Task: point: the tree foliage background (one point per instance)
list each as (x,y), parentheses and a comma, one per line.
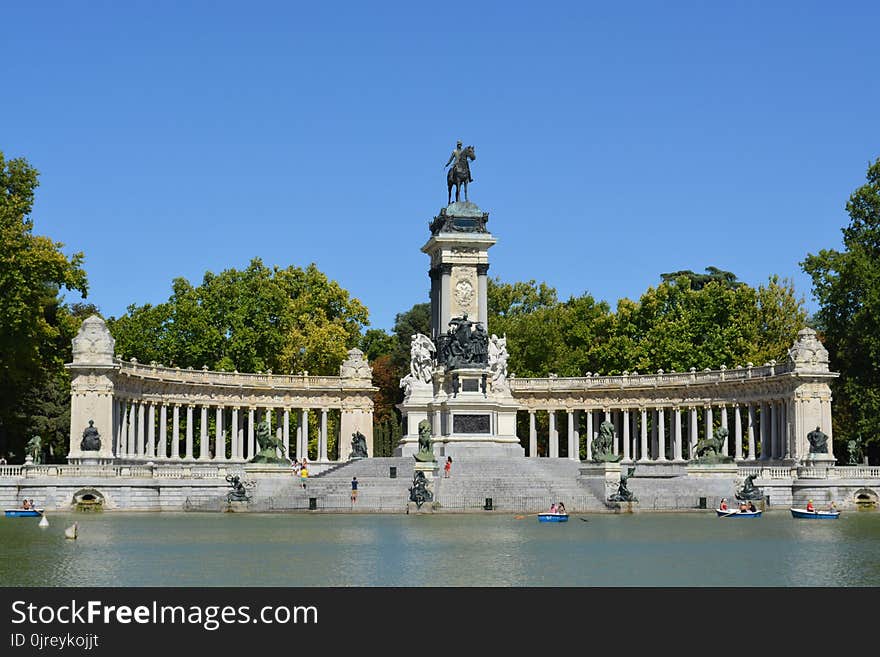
(36,326)
(847,285)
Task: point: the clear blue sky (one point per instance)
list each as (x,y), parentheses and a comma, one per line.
(615,141)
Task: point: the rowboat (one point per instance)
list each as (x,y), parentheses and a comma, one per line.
(552,517)
(24,513)
(819,515)
(736,513)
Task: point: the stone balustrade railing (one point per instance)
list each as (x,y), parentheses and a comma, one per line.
(692,377)
(189,376)
(145,471)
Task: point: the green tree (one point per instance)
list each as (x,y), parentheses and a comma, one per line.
(847,286)
(259,319)
(35,326)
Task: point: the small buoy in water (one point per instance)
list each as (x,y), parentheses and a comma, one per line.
(43,522)
(70,532)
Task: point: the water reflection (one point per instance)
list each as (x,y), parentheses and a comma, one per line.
(493,549)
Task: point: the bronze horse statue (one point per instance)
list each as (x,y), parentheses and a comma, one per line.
(460,174)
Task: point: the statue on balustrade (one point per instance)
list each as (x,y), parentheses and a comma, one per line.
(270,446)
(358,446)
(711,450)
(34,449)
(818,441)
(854,452)
(603,444)
(749,491)
(91,439)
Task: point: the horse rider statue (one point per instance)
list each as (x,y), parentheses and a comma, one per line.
(460,173)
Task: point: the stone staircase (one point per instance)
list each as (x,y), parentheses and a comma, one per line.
(515,484)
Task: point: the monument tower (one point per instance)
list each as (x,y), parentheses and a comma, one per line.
(458,375)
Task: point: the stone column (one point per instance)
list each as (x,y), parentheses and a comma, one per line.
(533,436)
(693,423)
(676,440)
(162,445)
(482,293)
(737,433)
(190,408)
(120,428)
(709,423)
(151,431)
(643,429)
(125,442)
(763,432)
(251,440)
(140,429)
(572,449)
(608,418)
(661,434)
(322,440)
(774,430)
(577,436)
(725,447)
(204,448)
(175,432)
(286,434)
(625,422)
(554,435)
(219,438)
(590,435)
(305,433)
(655,436)
(437,425)
(751,432)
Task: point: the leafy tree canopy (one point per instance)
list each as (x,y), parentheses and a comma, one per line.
(259,319)
(36,328)
(847,286)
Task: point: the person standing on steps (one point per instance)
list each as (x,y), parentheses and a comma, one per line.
(447,467)
(354,489)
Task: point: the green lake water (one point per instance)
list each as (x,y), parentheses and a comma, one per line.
(491,549)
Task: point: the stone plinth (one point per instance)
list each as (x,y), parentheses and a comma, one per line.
(728,470)
(600,478)
(236,507)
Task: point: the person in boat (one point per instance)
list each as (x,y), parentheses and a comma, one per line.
(723,505)
(743,507)
(810,506)
(752,506)
(553,508)
(25,505)
(560,508)
(832,507)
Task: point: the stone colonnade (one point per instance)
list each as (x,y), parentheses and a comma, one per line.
(668,432)
(767,411)
(163,414)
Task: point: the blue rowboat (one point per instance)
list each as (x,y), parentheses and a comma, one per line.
(816,515)
(24,513)
(552,517)
(736,513)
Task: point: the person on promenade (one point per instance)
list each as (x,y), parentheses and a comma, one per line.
(447,467)
(354,489)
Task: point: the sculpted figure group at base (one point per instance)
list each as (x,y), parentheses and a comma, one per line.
(749,491)
(623,493)
(498,361)
(421,362)
(465,344)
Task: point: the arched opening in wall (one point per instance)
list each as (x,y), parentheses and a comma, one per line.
(865,499)
(88,499)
